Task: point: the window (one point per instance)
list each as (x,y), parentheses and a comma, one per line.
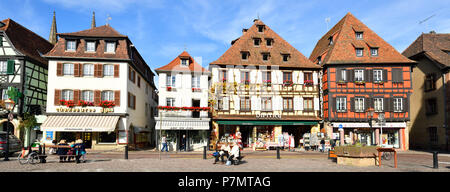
(245,77)
(245,104)
(223,75)
(343,75)
(260,28)
(341,104)
(378,104)
(377,75)
(88,70)
(110,47)
(432,132)
(256,41)
(430,82)
(330,40)
(107,96)
(170,81)
(308,79)
(267,77)
(359,104)
(67,95)
(108,70)
(359,75)
(4,96)
(87,96)
(71,45)
(286,57)
(3,67)
(107,137)
(308,104)
(244,55)
(196,81)
(170,102)
(220,104)
(398,104)
(269,42)
(266,103)
(266,56)
(90,46)
(139,81)
(288,104)
(431,106)
(359,35)
(359,52)
(132,75)
(131,101)
(319,60)
(397,75)
(374,51)
(184,62)
(68,69)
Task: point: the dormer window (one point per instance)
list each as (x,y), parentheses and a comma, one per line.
(330,40)
(265,56)
(319,60)
(90,46)
(110,47)
(260,28)
(359,35)
(286,57)
(374,51)
(71,45)
(269,42)
(184,62)
(359,52)
(256,41)
(244,55)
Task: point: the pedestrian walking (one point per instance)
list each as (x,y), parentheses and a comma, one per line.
(164,143)
(183,143)
(62,152)
(322,142)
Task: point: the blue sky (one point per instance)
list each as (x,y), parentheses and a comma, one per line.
(162,29)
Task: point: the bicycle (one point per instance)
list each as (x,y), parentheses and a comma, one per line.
(31,158)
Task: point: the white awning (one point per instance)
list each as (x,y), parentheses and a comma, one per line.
(182,125)
(366,125)
(80,123)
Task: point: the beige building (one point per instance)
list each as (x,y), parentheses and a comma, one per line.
(429,103)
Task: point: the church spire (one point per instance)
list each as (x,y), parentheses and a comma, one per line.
(93,20)
(53,38)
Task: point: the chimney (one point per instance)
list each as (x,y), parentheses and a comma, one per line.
(432,32)
(93,20)
(244,31)
(53,38)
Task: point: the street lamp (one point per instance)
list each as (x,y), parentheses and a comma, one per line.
(9,105)
(381,121)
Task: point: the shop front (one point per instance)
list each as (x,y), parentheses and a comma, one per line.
(97,132)
(261,135)
(193,132)
(392,134)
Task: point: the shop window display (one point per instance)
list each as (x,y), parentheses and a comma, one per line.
(105,137)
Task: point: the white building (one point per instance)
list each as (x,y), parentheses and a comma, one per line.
(93,69)
(183,103)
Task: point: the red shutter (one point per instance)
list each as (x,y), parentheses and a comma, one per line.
(81,69)
(100,70)
(57,97)
(97,97)
(76,96)
(128,99)
(76,69)
(117,98)
(116,70)
(59,69)
(95,70)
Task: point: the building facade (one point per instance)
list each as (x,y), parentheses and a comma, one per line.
(183,104)
(363,74)
(263,92)
(100,90)
(23,67)
(429,114)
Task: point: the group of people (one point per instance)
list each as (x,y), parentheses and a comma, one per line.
(77,150)
(231,152)
(165,143)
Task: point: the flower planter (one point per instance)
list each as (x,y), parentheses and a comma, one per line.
(356,155)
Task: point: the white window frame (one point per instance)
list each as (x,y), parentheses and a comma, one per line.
(67,94)
(68,69)
(359,104)
(377,75)
(107,95)
(374,51)
(195,81)
(398,104)
(266,103)
(108,70)
(110,45)
(87,95)
(344,75)
(359,75)
(88,69)
(378,104)
(170,102)
(359,52)
(71,45)
(184,62)
(90,46)
(359,35)
(170,80)
(4,96)
(341,104)
(3,67)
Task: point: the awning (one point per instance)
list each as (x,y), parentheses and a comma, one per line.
(366,125)
(267,122)
(80,123)
(182,125)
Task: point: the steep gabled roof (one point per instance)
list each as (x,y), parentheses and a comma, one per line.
(279,47)
(342,50)
(102,31)
(26,41)
(175,65)
(435,46)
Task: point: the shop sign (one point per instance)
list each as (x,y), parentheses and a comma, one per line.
(181,128)
(84,110)
(268,116)
(49,135)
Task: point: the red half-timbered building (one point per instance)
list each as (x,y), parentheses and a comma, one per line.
(363,77)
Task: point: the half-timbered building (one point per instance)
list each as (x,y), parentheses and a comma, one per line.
(363,75)
(264,91)
(23,67)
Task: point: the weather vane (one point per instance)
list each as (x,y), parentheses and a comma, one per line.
(108,18)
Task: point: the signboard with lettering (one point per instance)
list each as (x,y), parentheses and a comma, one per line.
(268,116)
(84,110)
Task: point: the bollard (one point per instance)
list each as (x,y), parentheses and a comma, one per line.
(126,151)
(435,160)
(40,149)
(329,154)
(44,150)
(278,152)
(204,152)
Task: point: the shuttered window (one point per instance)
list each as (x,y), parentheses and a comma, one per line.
(68,69)
(266,103)
(397,75)
(3,67)
(359,104)
(87,96)
(107,96)
(108,70)
(288,104)
(378,104)
(245,104)
(341,104)
(398,104)
(88,69)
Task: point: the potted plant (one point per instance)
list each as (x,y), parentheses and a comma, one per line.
(107,104)
(287,83)
(308,82)
(360,82)
(267,82)
(169,88)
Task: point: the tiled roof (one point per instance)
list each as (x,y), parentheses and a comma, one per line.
(175,65)
(342,50)
(435,46)
(245,43)
(26,41)
(102,31)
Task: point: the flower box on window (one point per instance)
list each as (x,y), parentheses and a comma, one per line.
(360,82)
(67,103)
(287,83)
(107,104)
(308,82)
(378,82)
(267,82)
(224,79)
(169,88)
(83,103)
(341,82)
(196,89)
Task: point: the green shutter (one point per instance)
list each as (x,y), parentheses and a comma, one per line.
(10,68)
(1,41)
